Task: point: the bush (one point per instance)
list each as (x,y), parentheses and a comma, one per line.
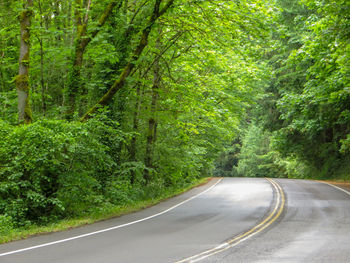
(51,169)
(6,224)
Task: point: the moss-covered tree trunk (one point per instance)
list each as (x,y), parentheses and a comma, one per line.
(41,44)
(22,80)
(2,77)
(74,80)
(120,81)
(83,39)
(135,128)
(135,125)
(152,123)
(151,135)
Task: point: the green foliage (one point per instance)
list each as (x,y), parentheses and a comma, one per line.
(303,115)
(6,224)
(257,158)
(226,164)
(254,88)
(53,168)
(315,115)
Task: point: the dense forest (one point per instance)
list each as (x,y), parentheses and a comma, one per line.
(108,103)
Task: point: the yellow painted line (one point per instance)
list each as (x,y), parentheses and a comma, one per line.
(273,216)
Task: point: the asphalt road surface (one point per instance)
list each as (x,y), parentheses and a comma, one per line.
(226,220)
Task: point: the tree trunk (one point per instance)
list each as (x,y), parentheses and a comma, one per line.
(82,41)
(152,123)
(22,80)
(2,55)
(135,127)
(57,19)
(119,83)
(42,80)
(1,71)
(152,130)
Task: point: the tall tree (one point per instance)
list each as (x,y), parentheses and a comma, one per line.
(120,81)
(82,41)
(22,79)
(152,122)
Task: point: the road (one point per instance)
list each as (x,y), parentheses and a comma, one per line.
(226,220)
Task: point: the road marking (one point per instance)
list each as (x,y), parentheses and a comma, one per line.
(339,188)
(108,229)
(273,216)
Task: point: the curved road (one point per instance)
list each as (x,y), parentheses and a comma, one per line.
(227,220)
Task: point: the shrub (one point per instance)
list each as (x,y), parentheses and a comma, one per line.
(53,168)
(6,224)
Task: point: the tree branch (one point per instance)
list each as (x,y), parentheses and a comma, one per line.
(119,83)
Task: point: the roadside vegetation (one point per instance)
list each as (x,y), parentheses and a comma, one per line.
(110,106)
(300,126)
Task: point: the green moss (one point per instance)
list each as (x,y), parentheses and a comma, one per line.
(22,16)
(25,14)
(106,13)
(22,78)
(28,117)
(81,30)
(26,36)
(25,59)
(22,82)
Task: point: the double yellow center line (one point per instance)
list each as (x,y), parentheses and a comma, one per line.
(272,217)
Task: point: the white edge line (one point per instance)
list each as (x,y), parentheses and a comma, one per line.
(108,229)
(339,188)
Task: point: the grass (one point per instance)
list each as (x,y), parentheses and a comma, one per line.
(98,215)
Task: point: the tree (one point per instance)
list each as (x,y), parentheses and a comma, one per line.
(83,38)
(22,79)
(119,83)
